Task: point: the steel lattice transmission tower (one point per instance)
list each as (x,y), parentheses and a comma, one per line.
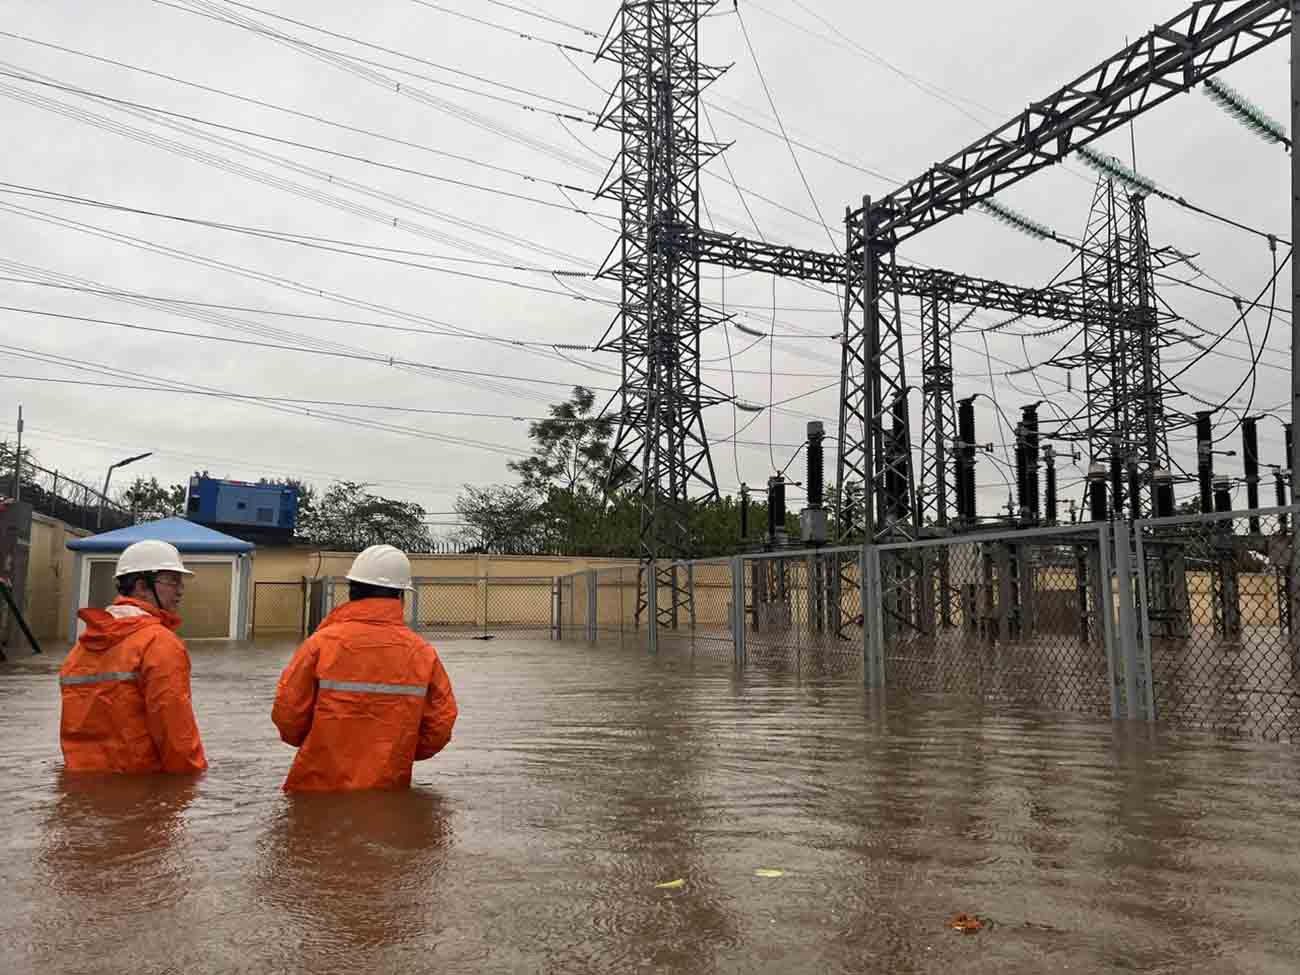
(938,411)
(1121,357)
(656,179)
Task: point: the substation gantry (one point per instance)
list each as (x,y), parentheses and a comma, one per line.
(655,108)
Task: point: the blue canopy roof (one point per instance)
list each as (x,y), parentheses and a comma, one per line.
(185,535)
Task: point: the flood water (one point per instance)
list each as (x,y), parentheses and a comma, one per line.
(580,778)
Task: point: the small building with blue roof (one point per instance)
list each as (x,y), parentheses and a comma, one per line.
(217,598)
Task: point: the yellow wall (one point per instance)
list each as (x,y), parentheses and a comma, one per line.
(463,601)
(51,590)
(50,586)
(291,564)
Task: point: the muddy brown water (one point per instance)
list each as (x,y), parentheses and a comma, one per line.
(580,778)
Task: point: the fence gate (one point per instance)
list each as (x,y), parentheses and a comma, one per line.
(280,608)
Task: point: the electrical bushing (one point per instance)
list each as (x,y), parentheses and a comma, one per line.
(1049,468)
(1205,458)
(1097,491)
(1029,423)
(966,460)
(1162,483)
(1250,464)
(815,463)
(775,509)
(1222,494)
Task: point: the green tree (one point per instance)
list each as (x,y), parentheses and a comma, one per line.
(571,450)
(149,500)
(502,518)
(347,517)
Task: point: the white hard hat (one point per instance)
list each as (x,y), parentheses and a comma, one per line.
(383,566)
(151,555)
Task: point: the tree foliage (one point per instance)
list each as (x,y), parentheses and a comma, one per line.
(560,505)
(348,517)
(148,500)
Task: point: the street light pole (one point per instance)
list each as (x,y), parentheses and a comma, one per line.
(103,496)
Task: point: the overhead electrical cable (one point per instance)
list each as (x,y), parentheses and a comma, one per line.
(307,116)
(298,189)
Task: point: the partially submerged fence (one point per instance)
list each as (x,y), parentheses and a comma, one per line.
(1184,620)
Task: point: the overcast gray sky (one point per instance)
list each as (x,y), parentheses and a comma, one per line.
(898,87)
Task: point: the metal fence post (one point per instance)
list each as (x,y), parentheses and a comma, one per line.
(1105,609)
(591,605)
(412,605)
(1127,620)
(738,609)
(1145,675)
(555,607)
(873,634)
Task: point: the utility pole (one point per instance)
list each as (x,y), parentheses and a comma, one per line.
(1294,459)
(18,459)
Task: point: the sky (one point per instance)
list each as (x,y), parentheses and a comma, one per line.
(434,162)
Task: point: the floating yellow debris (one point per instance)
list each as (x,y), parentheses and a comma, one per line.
(768,872)
(671,885)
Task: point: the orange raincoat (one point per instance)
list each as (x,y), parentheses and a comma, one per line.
(126,694)
(362,699)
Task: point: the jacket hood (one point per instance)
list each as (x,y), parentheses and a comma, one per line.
(107,627)
(374,610)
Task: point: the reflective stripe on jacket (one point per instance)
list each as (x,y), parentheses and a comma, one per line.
(125,690)
(362,699)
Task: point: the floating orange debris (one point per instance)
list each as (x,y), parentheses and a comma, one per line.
(966,923)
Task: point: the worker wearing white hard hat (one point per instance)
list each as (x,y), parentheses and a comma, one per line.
(126,684)
(365,696)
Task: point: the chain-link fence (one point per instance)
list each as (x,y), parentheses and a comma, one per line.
(518,604)
(616,605)
(803,609)
(279,608)
(471,605)
(1184,620)
(1214,613)
(449,606)
(1016,618)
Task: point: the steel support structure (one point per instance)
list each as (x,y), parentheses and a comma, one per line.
(1124,381)
(655,178)
(875,432)
(1171,58)
(938,412)
(655,108)
(1146,339)
(1062,302)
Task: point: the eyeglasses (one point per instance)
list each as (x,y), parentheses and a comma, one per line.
(174,583)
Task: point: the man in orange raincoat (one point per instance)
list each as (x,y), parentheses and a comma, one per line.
(126,684)
(364,697)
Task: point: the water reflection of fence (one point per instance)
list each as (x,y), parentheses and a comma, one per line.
(1184,620)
